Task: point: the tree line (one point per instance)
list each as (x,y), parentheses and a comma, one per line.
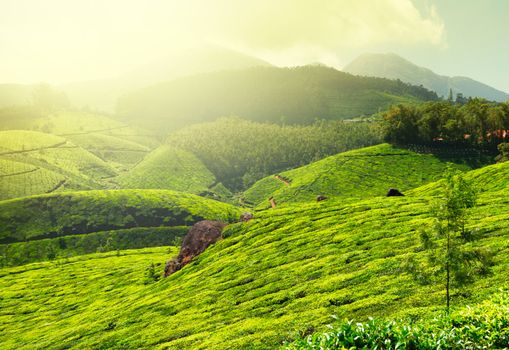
(476,122)
(240,152)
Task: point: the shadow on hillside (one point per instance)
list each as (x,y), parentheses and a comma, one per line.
(473,157)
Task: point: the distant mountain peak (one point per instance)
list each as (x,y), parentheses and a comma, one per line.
(393,66)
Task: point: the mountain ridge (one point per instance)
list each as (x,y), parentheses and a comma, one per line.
(393,66)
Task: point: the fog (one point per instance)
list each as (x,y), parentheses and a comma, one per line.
(59,41)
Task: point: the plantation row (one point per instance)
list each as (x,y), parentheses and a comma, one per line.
(79,244)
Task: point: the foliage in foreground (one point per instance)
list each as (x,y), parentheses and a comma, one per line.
(485,326)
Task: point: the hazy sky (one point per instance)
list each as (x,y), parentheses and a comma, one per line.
(69,40)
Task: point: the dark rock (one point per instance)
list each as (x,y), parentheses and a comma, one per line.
(245,217)
(394,193)
(320,198)
(199,237)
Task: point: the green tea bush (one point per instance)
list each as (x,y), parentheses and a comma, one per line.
(485,326)
(49,249)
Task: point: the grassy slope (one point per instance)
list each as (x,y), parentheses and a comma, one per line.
(282,273)
(90,273)
(60,164)
(18,179)
(169,168)
(91,211)
(362,173)
(76,150)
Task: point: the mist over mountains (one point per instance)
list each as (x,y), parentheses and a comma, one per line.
(392,66)
(102,94)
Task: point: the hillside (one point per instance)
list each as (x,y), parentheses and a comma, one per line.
(392,66)
(171,168)
(39,225)
(64,150)
(15,95)
(270,280)
(19,179)
(44,216)
(291,95)
(55,157)
(240,152)
(103,94)
(364,173)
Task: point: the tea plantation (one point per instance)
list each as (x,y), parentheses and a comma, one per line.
(270,281)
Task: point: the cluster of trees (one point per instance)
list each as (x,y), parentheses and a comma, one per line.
(240,152)
(476,122)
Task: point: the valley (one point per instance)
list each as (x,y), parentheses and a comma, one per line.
(254,175)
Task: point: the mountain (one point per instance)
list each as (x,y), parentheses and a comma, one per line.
(102,94)
(392,66)
(265,94)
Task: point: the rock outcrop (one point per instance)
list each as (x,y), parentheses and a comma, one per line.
(320,198)
(200,236)
(245,217)
(394,193)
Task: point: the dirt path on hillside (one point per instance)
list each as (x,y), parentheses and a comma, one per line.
(283,180)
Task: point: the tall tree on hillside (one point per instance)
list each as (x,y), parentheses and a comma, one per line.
(457,263)
(400,124)
(475,114)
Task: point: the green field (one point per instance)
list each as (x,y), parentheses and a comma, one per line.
(67,151)
(171,168)
(269,281)
(39,224)
(362,173)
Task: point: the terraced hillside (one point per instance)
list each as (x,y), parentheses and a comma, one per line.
(34,227)
(71,150)
(171,168)
(54,163)
(271,279)
(19,179)
(362,173)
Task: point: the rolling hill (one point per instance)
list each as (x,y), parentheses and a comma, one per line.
(269,280)
(171,168)
(60,164)
(363,173)
(19,179)
(64,150)
(291,95)
(78,222)
(392,66)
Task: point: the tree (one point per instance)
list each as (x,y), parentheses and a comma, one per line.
(450,98)
(449,252)
(503,148)
(399,124)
